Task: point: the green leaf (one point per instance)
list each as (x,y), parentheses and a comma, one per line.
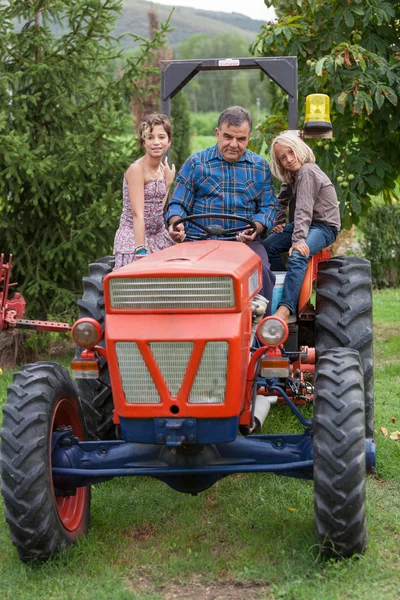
(355,204)
(367,17)
(357,11)
(369,105)
(358,103)
(319,66)
(338,18)
(389,94)
(358,57)
(348,17)
(287,33)
(379,98)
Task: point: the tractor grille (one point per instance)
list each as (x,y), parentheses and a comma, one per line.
(209,384)
(172,359)
(172,292)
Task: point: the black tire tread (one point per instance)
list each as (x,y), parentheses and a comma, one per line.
(344,316)
(26,483)
(339,454)
(95,395)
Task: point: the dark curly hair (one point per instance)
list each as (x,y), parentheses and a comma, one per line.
(151,121)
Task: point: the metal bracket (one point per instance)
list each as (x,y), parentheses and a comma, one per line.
(175,432)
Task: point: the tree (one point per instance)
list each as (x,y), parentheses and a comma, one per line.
(150,102)
(180,148)
(64,148)
(349,50)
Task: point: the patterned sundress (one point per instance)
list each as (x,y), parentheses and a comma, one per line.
(156,235)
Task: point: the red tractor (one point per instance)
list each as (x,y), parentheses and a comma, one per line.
(176,370)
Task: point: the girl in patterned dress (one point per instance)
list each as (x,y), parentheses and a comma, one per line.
(145,191)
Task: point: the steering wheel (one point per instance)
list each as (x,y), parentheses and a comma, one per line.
(217,232)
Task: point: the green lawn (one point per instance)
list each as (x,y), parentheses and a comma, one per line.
(249,536)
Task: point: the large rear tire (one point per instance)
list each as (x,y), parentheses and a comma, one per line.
(344,317)
(95,395)
(42,400)
(339,454)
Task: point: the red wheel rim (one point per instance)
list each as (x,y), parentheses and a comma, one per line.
(70,509)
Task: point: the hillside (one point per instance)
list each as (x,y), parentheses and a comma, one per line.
(186,22)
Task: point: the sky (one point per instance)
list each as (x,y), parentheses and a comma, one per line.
(255,9)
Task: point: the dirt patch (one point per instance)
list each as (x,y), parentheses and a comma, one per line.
(225,590)
(384,330)
(220,591)
(195,589)
(141,534)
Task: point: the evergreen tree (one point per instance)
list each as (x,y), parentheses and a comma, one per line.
(63,137)
(180,148)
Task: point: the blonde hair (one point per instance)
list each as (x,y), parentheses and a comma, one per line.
(303,153)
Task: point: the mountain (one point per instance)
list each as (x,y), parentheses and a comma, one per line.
(186,22)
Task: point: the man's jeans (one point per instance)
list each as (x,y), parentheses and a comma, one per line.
(268,277)
(319,236)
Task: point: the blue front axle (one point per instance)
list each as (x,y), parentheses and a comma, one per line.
(191,469)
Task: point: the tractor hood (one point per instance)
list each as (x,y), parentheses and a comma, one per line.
(191,276)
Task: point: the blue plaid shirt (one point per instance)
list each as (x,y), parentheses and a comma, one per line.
(207,183)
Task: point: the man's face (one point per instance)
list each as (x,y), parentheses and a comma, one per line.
(232,141)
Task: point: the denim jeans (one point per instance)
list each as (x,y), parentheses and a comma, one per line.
(268,277)
(319,236)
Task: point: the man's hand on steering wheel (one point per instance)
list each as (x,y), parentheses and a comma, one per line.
(176,232)
(248,235)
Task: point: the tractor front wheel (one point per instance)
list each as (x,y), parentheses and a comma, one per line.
(95,395)
(339,454)
(41,401)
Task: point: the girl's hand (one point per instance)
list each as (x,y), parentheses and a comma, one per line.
(279,228)
(169,173)
(302,248)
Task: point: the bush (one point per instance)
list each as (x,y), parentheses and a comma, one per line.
(204,123)
(381,244)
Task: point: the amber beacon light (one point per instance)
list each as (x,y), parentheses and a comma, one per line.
(317,122)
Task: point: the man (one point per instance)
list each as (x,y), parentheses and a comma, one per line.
(227,178)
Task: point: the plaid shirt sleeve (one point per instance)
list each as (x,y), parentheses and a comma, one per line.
(266,202)
(181,203)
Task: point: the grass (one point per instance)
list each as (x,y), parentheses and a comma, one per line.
(249,536)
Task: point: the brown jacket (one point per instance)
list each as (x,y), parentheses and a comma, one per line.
(311,197)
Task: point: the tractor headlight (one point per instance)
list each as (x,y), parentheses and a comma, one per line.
(272,331)
(86,333)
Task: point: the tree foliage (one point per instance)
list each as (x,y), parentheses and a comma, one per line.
(150,103)
(181,132)
(348,49)
(63,143)
(381,244)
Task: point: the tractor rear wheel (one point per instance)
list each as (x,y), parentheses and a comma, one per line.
(339,454)
(344,317)
(95,395)
(42,400)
